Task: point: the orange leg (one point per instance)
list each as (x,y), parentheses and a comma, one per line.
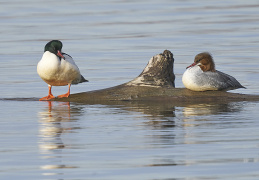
(67,94)
(48,97)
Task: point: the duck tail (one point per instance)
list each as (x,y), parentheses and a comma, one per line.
(83,79)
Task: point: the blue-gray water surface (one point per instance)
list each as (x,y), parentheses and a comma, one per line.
(111,42)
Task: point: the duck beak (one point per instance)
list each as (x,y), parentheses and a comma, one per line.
(60,55)
(193,64)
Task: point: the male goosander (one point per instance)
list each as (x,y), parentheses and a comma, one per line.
(202,76)
(58,69)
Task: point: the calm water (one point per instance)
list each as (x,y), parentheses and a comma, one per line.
(111,43)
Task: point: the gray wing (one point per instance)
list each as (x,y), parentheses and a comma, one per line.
(223,81)
(70,59)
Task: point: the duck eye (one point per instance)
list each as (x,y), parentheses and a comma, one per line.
(199,60)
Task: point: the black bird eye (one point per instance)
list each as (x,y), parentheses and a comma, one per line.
(199,60)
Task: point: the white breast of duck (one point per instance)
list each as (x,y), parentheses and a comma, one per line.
(57,71)
(195,79)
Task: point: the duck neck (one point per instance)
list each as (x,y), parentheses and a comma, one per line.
(208,67)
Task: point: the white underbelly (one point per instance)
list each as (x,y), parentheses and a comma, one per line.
(193,79)
(58,75)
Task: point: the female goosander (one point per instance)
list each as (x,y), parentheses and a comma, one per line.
(202,76)
(58,69)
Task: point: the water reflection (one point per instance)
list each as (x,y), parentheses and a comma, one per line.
(160,115)
(202,121)
(192,125)
(56,120)
(161,129)
(194,114)
(210,109)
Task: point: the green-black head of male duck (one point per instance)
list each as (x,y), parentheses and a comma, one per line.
(55,47)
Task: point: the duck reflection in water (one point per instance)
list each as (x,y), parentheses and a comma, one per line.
(211,109)
(54,121)
(195,114)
